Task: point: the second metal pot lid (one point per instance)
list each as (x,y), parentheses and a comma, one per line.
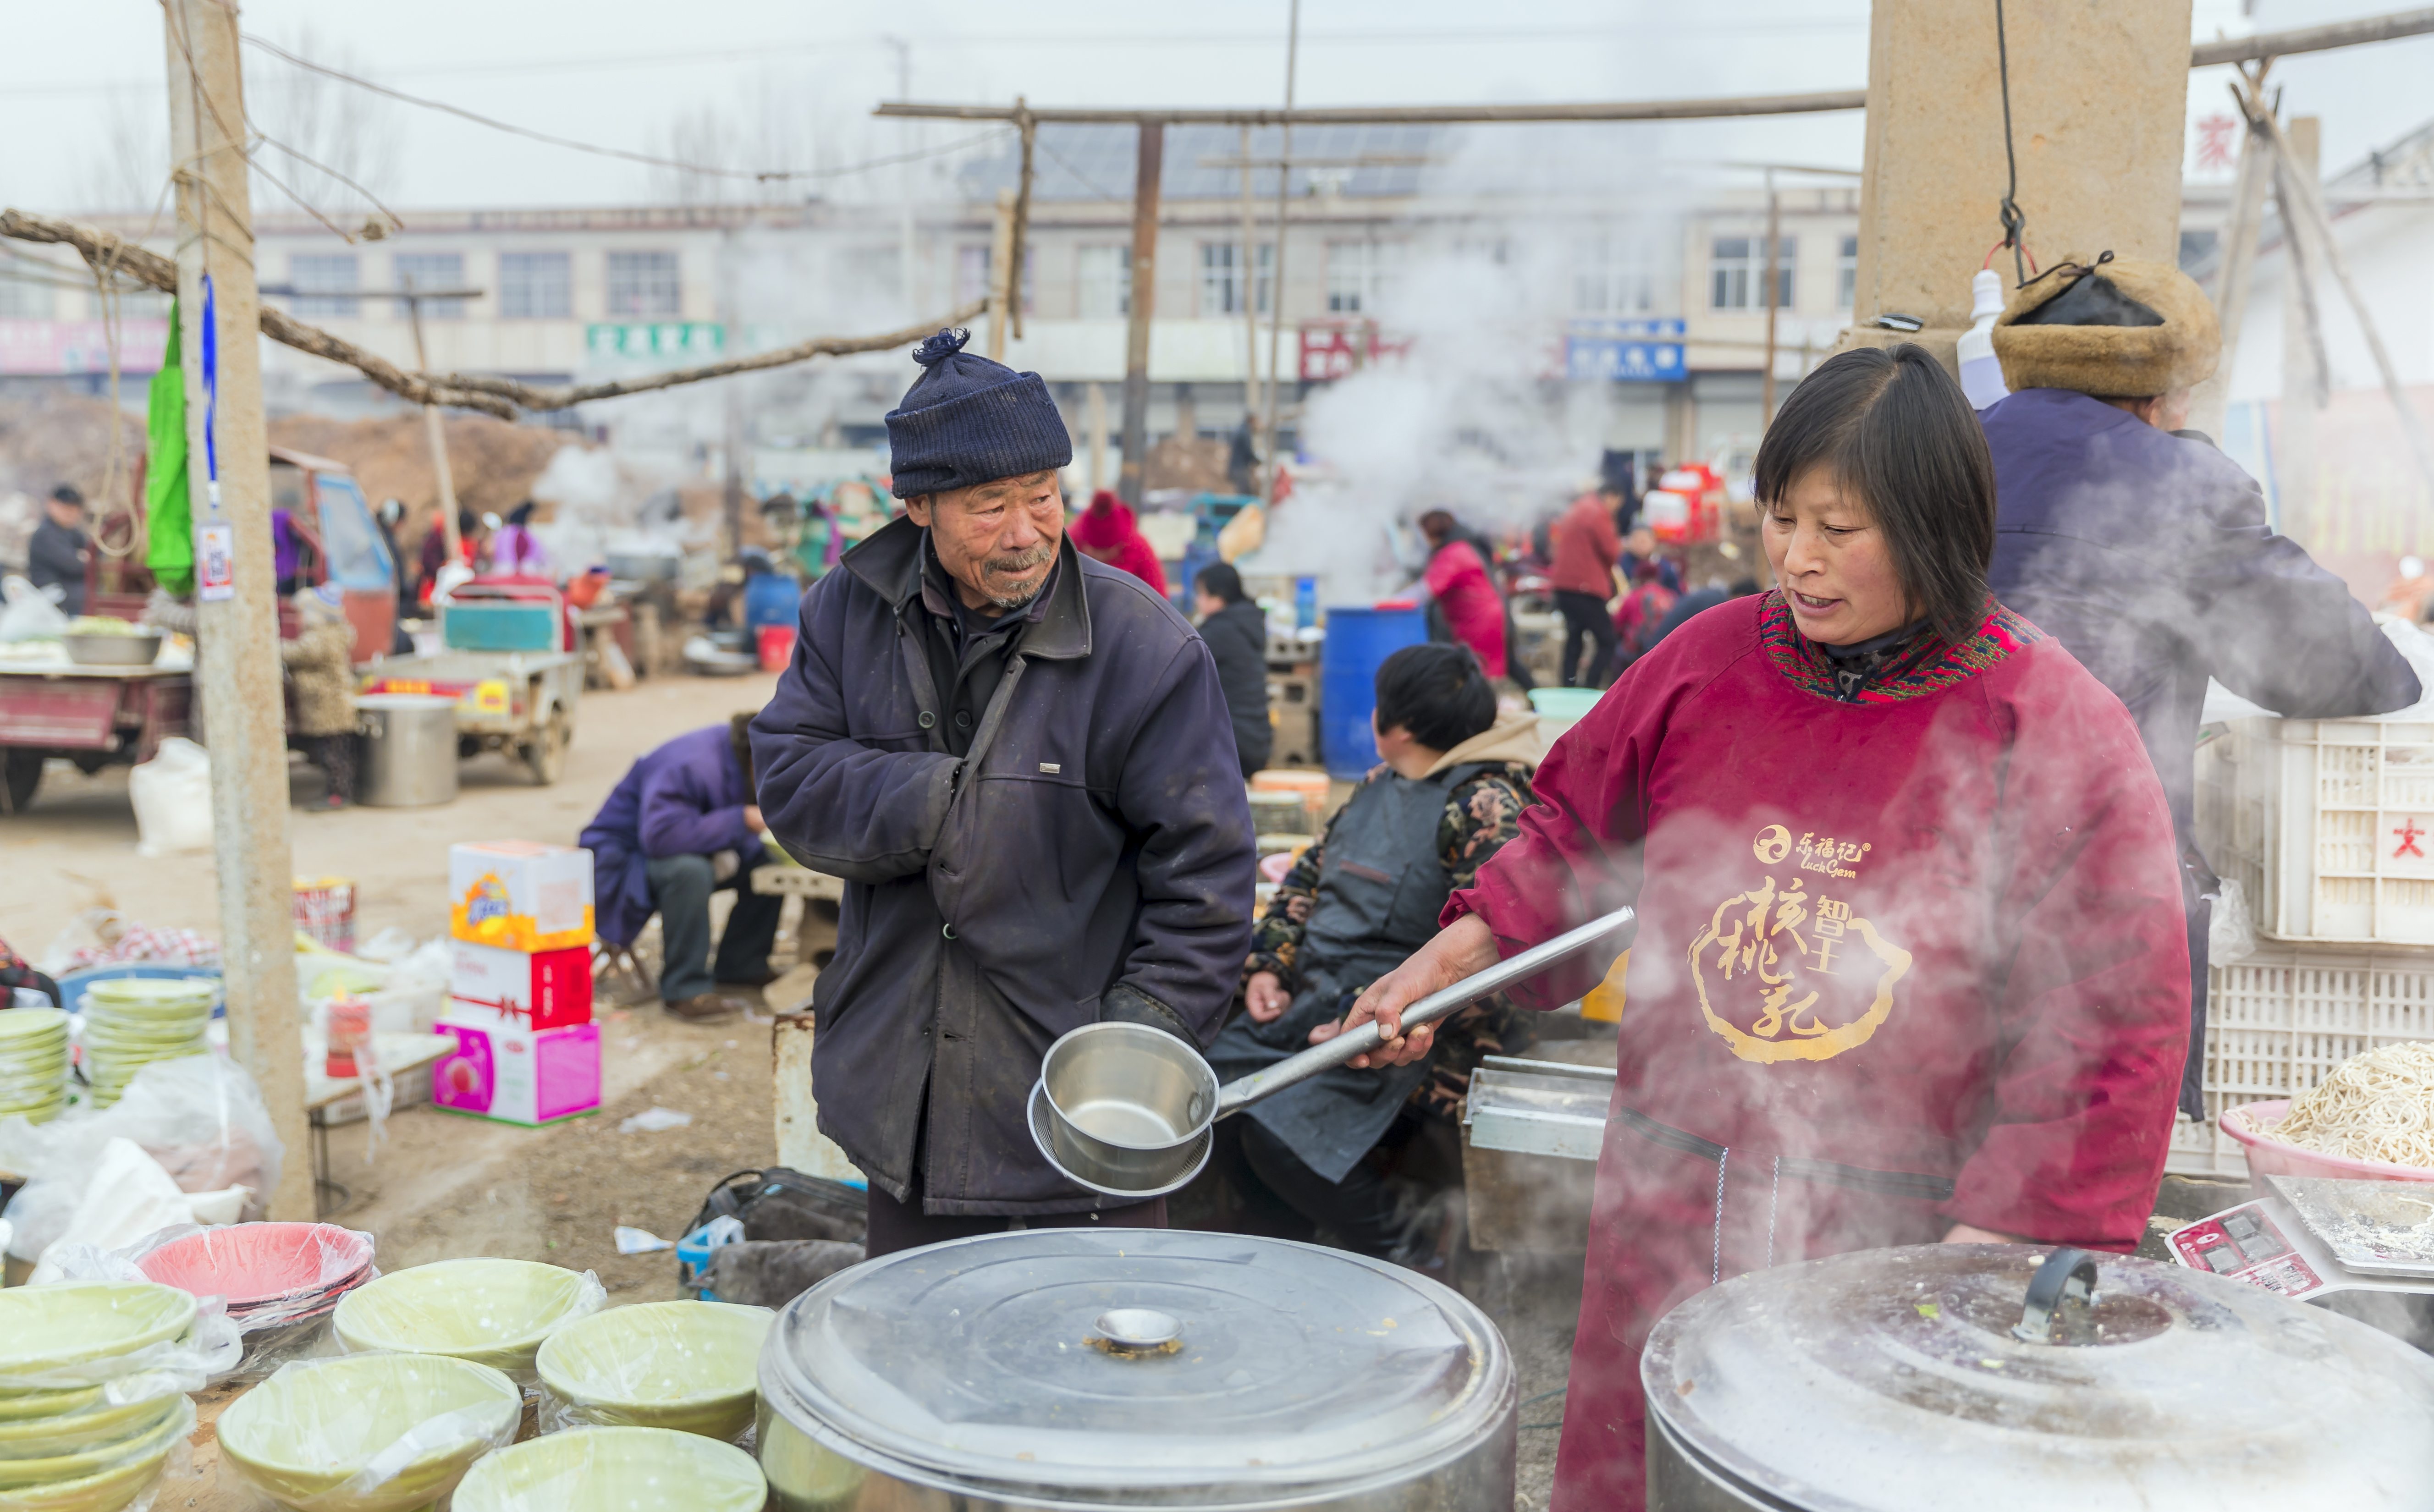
(1892,1380)
(1082,1359)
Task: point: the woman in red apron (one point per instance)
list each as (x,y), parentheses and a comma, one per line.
(1911,962)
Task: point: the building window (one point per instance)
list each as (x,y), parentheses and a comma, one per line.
(432,270)
(22,299)
(1611,277)
(1496,251)
(644,283)
(973,275)
(536,286)
(1360,274)
(1221,279)
(313,271)
(1846,272)
(1103,281)
(1738,272)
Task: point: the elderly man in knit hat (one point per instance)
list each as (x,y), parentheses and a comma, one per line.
(1021,762)
(2146,551)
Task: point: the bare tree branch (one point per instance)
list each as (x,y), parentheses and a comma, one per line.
(502,397)
(530,397)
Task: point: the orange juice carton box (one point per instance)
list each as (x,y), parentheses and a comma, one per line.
(520,895)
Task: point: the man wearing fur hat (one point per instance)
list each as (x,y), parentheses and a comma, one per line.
(2146,551)
(1021,762)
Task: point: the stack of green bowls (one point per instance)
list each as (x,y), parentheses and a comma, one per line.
(132,1022)
(33,1063)
(72,1450)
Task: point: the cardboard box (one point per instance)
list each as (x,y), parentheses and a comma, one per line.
(520,895)
(515,1075)
(540,991)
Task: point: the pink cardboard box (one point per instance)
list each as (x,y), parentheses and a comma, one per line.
(517,1075)
(541,989)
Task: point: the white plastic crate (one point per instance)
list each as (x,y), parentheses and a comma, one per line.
(2279,1019)
(2328,825)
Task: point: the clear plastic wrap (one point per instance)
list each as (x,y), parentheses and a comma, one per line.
(134,1340)
(634,1470)
(201,1117)
(496,1313)
(369,1432)
(692,1366)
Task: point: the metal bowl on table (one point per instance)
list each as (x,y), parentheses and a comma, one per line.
(2001,1378)
(1096,1367)
(114,650)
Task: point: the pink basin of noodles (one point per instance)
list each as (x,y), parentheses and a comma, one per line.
(251,1263)
(2268,1156)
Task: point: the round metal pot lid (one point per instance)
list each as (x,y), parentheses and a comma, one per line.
(1891,1380)
(1090,1361)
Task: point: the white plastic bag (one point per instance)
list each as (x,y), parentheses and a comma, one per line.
(199,1116)
(128,1198)
(27,613)
(172,794)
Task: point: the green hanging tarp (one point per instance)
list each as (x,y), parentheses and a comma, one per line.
(168,515)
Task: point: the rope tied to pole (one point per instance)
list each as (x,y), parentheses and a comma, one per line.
(2014,220)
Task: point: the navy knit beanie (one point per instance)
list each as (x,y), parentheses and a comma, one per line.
(967,421)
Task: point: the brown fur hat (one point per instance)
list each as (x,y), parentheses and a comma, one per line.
(2152,330)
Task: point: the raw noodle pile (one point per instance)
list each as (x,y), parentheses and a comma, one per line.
(2375,1107)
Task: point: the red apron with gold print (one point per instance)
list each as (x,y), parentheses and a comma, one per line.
(1904,962)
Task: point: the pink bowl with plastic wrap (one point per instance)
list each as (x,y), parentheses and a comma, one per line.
(251,1263)
(2268,1156)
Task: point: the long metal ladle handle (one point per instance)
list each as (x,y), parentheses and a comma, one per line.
(1241,1093)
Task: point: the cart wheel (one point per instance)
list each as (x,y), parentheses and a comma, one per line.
(546,753)
(20,772)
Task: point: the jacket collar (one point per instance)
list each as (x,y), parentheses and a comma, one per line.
(1058,627)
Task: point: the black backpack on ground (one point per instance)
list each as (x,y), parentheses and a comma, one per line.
(783,1204)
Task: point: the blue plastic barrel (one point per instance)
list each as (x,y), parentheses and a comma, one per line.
(1358,639)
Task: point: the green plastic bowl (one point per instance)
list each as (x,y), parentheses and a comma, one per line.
(491,1312)
(155,1425)
(113,1488)
(27,1438)
(44,1328)
(630,1469)
(312,1427)
(685,1365)
(15,1406)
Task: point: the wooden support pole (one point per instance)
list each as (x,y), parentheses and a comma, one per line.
(1773,250)
(2237,270)
(1002,274)
(1147,168)
(1250,286)
(238,669)
(2307,375)
(437,432)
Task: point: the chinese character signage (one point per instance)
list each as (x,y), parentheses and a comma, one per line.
(81,346)
(1631,351)
(694,340)
(1333,349)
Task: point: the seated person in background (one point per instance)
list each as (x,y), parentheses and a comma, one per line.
(321,664)
(679,826)
(1237,635)
(57,555)
(1450,791)
(1107,532)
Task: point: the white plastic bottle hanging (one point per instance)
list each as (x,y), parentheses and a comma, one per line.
(1981,373)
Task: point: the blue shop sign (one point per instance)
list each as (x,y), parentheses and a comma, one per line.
(1645,351)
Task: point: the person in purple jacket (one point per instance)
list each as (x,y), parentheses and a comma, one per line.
(1021,762)
(679,826)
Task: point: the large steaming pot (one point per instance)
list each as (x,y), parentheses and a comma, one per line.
(1061,1368)
(1905,1380)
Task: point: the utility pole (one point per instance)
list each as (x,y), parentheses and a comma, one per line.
(904,279)
(1149,165)
(731,332)
(1002,275)
(1773,246)
(1250,287)
(237,623)
(1277,320)
(2305,384)
(438,432)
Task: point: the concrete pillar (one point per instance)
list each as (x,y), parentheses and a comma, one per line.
(2303,380)
(2100,91)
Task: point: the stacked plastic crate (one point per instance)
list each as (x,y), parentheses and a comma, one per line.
(2325,829)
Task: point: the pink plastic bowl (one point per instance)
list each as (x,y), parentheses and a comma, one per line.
(2268,1156)
(251,1263)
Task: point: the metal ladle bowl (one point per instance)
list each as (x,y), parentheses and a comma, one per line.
(1125,1110)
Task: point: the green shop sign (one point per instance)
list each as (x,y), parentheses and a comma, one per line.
(656,338)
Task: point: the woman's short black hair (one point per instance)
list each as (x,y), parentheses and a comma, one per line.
(1219,581)
(1437,691)
(1896,430)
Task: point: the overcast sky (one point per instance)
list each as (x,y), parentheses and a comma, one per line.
(761,84)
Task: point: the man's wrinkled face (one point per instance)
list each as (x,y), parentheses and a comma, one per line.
(996,540)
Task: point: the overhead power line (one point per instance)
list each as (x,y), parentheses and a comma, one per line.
(708,170)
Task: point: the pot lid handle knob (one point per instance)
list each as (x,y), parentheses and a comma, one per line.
(1138,1330)
(2067,1276)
